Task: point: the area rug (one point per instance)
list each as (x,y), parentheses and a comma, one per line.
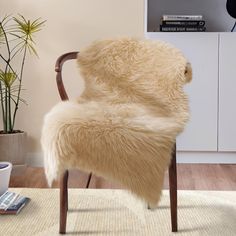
(117,212)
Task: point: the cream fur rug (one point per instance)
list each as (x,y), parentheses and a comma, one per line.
(115,212)
(124,125)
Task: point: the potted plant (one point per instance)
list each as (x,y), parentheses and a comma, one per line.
(16,42)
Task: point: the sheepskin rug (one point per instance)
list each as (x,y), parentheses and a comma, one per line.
(124,124)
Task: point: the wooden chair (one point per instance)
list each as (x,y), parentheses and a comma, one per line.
(64,177)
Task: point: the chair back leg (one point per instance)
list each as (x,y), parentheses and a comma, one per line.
(173,191)
(63,201)
(89,179)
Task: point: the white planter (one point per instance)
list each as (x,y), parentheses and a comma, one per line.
(5,174)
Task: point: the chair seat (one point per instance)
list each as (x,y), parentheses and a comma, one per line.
(121,143)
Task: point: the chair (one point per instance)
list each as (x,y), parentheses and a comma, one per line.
(64,177)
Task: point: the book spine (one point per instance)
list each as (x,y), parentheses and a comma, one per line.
(184,23)
(182,17)
(181,29)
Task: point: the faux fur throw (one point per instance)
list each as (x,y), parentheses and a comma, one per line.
(124,124)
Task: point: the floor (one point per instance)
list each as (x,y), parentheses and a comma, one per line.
(190,177)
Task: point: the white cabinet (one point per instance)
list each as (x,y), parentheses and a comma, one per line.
(210,136)
(227,92)
(201,49)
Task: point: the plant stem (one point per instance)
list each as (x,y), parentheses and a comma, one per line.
(2,103)
(7,121)
(8,64)
(7,126)
(6,109)
(9,109)
(20,81)
(3,110)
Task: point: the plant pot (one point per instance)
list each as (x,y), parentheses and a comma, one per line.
(13,148)
(5,174)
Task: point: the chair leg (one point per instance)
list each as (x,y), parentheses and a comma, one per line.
(90,176)
(63,201)
(66,191)
(173,191)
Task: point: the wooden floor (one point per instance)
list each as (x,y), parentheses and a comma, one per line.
(190,177)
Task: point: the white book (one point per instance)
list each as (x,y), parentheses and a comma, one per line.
(182,17)
(7,199)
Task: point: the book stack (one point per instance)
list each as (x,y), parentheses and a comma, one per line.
(12,203)
(182,23)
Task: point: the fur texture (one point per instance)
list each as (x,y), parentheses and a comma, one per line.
(124,124)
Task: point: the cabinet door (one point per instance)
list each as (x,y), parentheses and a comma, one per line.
(201,49)
(227,92)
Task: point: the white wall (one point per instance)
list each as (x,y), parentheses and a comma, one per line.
(71,25)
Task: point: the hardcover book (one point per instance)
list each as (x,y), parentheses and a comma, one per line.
(183,23)
(182,17)
(181,29)
(12,203)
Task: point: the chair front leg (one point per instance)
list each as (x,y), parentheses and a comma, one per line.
(173,191)
(63,201)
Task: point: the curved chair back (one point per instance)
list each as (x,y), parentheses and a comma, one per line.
(58,68)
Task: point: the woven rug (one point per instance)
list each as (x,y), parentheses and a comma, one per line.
(117,212)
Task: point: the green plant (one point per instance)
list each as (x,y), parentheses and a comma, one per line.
(16,40)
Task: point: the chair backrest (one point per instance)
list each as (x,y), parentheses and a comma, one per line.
(58,68)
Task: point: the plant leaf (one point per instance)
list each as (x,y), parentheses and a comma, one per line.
(8,78)
(32,49)
(27,27)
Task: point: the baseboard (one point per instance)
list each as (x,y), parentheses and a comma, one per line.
(36,159)
(207,157)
